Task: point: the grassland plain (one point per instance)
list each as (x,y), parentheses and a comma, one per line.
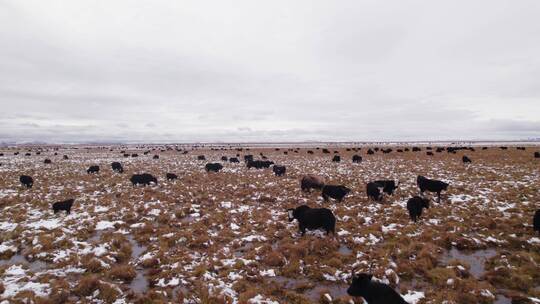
(225,238)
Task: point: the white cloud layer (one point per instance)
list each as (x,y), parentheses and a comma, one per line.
(269,70)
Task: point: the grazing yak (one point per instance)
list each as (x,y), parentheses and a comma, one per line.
(134,155)
(214,167)
(313,218)
(429,153)
(201,157)
(64,205)
(336,159)
(259,164)
(336,192)
(356,158)
(376,188)
(143,179)
(27,181)
(279,170)
(47,161)
(171,176)
(431,185)
(415,206)
(117,167)
(248,158)
(309,182)
(92,169)
(466,159)
(536,221)
(373,292)
(224,158)
(234,160)
(536,154)
(416,149)
(370,152)
(66,157)
(326,151)
(155,156)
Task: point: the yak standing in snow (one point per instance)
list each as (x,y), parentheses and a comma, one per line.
(313,218)
(337,192)
(143,179)
(309,182)
(415,206)
(117,167)
(27,181)
(373,292)
(93,169)
(64,205)
(431,185)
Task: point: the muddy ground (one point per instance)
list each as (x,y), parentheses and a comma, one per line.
(225,238)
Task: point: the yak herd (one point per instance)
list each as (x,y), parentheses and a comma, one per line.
(319,218)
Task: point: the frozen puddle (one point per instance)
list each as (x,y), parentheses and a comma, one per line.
(140,282)
(475,259)
(19,259)
(502,300)
(344,250)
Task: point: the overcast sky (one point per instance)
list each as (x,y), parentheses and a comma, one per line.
(75,71)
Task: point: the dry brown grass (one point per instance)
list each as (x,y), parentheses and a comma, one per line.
(192,235)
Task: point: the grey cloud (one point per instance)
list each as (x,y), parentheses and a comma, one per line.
(303,70)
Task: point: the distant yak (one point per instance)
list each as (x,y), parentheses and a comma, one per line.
(63,206)
(309,182)
(213,167)
(92,169)
(143,179)
(27,181)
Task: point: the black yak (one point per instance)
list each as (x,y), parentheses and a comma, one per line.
(224,158)
(337,192)
(279,170)
(117,167)
(309,182)
(370,152)
(536,221)
(429,153)
(155,156)
(93,169)
(134,155)
(66,157)
(248,158)
(336,159)
(431,185)
(416,149)
(26,180)
(356,159)
(536,154)
(466,159)
(234,160)
(415,206)
(373,189)
(143,179)
(64,205)
(214,167)
(313,218)
(171,176)
(373,292)
(259,164)
(47,161)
